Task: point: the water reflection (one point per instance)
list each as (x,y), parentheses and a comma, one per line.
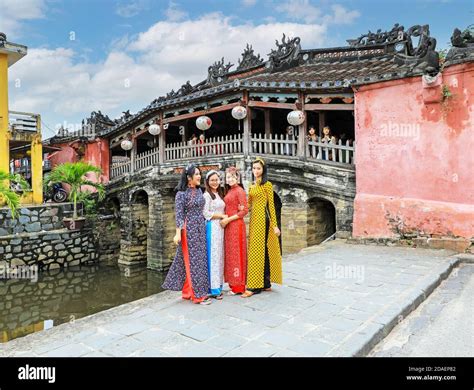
(63,295)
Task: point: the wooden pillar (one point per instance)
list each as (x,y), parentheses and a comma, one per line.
(161,140)
(247,126)
(133,152)
(302,130)
(184,129)
(4,135)
(322,122)
(268,127)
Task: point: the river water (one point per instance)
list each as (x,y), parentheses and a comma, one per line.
(63,295)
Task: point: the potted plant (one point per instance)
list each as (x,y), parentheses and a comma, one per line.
(7,194)
(74,174)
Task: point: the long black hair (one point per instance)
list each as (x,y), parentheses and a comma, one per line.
(264,172)
(188,173)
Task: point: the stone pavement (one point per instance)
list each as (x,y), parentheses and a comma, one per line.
(441,326)
(338,299)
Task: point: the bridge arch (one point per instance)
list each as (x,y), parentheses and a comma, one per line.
(321,220)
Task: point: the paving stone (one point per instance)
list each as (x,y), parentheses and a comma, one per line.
(125,346)
(153,336)
(99,341)
(327,335)
(249,330)
(69,350)
(311,348)
(153,352)
(200,332)
(227,341)
(279,338)
(311,315)
(201,350)
(253,349)
(127,328)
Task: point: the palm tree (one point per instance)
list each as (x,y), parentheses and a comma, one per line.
(7,195)
(74,175)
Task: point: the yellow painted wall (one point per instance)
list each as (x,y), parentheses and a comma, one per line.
(4,140)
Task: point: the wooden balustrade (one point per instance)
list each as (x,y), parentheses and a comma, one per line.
(260,144)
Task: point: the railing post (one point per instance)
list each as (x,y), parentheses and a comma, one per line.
(4,134)
(322,122)
(161,141)
(247,127)
(302,130)
(268,129)
(133,155)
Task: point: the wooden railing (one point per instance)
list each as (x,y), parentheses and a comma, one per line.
(282,145)
(217,146)
(260,144)
(119,169)
(146,159)
(331,152)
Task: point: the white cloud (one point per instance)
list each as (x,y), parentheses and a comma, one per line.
(59,85)
(14,12)
(130,9)
(305,11)
(300,10)
(249,3)
(174,14)
(182,49)
(342,15)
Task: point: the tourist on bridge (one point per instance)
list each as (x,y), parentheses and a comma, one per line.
(188,272)
(235,269)
(214,213)
(202,141)
(264,257)
(329,139)
(312,137)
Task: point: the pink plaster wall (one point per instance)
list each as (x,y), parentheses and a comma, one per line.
(418,178)
(96,153)
(66,154)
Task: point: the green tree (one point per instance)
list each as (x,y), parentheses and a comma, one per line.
(7,195)
(74,174)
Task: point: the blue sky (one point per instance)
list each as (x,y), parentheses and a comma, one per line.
(118,55)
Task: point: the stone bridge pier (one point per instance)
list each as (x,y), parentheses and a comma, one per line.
(146,218)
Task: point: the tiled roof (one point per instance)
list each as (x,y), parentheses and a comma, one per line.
(373,57)
(323,74)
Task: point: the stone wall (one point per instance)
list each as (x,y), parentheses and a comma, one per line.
(53,249)
(293,227)
(34,219)
(106,233)
(134,220)
(169,229)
